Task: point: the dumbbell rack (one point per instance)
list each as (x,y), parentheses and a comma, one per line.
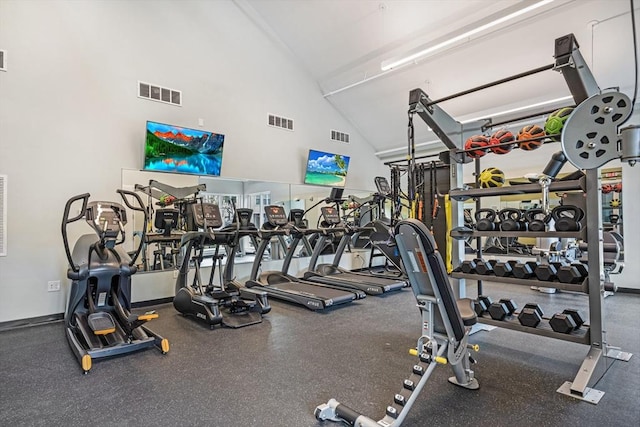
(478,193)
(581,83)
(582,335)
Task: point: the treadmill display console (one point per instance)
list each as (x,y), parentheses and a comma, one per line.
(276,215)
(296,216)
(382,185)
(331,215)
(206,213)
(244,216)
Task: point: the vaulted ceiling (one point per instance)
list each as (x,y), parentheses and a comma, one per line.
(342,43)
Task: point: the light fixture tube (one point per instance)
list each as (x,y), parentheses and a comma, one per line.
(517,109)
(420,145)
(387,65)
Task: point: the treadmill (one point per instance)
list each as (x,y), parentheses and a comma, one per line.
(333,274)
(282,286)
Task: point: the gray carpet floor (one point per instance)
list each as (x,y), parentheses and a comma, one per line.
(275,373)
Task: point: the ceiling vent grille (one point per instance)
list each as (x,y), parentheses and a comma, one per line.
(339,136)
(3,60)
(280,122)
(158,93)
(3,215)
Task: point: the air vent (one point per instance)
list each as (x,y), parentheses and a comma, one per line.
(3,215)
(280,122)
(158,93)
(3,60)
(339,136)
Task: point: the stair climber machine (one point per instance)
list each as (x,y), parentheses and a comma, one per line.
(98,320)
(283,286)
(227,303)
(333,274)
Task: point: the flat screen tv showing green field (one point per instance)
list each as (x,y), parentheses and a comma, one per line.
(326,169)
(178,149)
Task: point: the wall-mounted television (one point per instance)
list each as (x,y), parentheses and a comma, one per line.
(170,148)
(326,169)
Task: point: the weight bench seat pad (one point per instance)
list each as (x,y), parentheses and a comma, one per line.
(441,279)
(468,314)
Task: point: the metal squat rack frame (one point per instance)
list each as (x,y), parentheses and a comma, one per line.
(582,85)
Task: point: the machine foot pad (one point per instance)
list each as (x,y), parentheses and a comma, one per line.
(591,395)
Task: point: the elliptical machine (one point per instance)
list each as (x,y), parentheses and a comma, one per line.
(98,320)
(229,303)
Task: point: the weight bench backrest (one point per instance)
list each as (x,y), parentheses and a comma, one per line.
(427,271)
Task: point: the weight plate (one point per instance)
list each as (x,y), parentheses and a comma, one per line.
(590,134)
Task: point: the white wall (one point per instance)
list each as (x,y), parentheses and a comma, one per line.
(70,119)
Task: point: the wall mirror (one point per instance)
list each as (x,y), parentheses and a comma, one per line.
(161,252)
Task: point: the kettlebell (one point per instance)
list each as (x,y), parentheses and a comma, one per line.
(567,217)
(511,220)
(486,222)
(537,219)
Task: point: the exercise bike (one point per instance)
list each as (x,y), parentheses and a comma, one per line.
(98,319)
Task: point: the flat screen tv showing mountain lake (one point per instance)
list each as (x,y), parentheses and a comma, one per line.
(177,149)
(326,169)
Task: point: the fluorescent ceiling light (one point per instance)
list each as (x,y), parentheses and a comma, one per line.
(389,64)
(394,150)
(517,109)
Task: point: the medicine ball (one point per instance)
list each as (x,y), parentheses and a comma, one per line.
(555,122)
(501,137)
(529,132)
(491,177)
(476,141)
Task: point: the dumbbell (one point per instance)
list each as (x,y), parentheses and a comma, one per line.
(485,267)
(546,272)
(482,304)
(573,273)
(501,309)
(531,315)
(469,266)
(525,270)
(567,321)
(504,268)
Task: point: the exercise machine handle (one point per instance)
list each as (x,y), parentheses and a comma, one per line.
(139,208)
(66,220)
(124,193)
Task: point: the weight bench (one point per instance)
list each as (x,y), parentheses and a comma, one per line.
(446,324)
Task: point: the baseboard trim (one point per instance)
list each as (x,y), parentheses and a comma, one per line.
(32,321)
(58,317)
(151,302)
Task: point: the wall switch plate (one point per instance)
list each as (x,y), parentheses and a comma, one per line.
(53,286)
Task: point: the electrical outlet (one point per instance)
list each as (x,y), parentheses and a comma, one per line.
(53,285)
(175,273)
